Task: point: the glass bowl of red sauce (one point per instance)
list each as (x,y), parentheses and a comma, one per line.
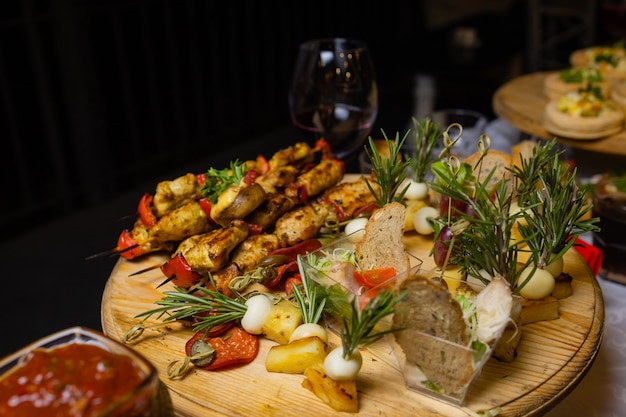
(80,372)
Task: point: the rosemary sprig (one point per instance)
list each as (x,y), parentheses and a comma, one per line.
(208,311)
(389,171)
(311,302)
(359,328)
(556,213)
(217,180)
(425,138)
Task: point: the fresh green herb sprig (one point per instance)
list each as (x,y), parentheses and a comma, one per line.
(180,305)
(360,328)
(389,171)
(556,213)
(484,241)
(311,300)
(217,180)
(426,135)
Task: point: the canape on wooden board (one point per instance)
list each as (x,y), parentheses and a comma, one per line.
(609,60)
(569,80)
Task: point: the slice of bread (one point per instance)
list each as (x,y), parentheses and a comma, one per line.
(494,160)
(429,316)
(382,245)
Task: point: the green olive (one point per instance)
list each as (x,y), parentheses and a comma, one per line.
(272,260)
(202,353)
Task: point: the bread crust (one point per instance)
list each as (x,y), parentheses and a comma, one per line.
(494,160)
(382,245)
(427,315)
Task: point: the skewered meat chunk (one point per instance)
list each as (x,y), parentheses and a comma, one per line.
(319,178)
(274,206)
(170,195)
(179,224)
(301,223)
(277,178)
(296,155)
(253,249)
(211,251)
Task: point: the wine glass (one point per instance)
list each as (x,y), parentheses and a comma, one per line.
(333,94)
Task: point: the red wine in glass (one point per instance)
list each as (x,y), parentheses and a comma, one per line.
(334,94)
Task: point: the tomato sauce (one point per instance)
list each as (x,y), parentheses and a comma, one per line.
(73,380)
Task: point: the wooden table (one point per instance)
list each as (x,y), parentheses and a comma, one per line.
(521,102)
(553,357)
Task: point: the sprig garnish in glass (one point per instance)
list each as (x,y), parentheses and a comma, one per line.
(388,171)
(360,328)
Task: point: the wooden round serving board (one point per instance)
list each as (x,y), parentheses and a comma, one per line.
(553,356)
(522,103)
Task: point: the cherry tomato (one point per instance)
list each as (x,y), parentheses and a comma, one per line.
(145,211)
(233,347)
(291,282)
(374,277)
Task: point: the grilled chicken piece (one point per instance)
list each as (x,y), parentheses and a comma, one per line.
(277,178)
(305,222)
(179,224)
(274,206)
(141,234)
(211,252)
(236,203)
(223,277)
(170,195)
(302,223)
(350,196)
(319,178)
(296,155)
(253,249)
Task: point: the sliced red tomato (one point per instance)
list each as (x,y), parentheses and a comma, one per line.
(201,179)
(373,277)
(127,245)
(291,282)
(147,216)
(233,347)
(180,272)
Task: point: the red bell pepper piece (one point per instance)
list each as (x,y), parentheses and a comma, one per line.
(234,347)
(127,246)
(365,210)
(179,272)
(301,248)
(324,146)
(201,179)
(281,271)
(250,176)
(262,164)
(146,214)
(205,205)
(339,211)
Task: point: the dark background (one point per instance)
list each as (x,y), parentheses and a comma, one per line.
(99,100)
